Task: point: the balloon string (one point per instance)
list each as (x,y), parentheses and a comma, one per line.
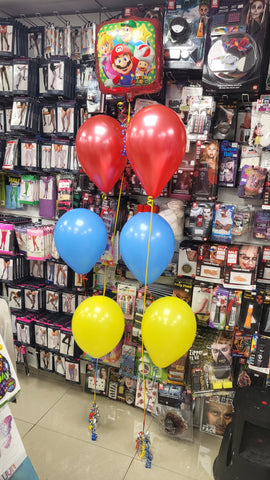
(150,202)
(117,210)
(95,392)
(105,279)
(84,279)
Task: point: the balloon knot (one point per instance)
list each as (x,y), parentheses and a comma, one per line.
(150,201)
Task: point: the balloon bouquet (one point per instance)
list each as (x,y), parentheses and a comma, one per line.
(155,144)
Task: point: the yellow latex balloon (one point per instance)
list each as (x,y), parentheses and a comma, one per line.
(98,325)
(168,330)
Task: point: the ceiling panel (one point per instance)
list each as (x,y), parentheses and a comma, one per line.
(15,8)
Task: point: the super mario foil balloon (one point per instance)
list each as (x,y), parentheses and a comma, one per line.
(129,56)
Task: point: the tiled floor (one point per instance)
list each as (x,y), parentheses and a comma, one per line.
(52,418)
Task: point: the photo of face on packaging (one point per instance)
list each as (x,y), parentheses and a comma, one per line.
(6,78)
(217,414)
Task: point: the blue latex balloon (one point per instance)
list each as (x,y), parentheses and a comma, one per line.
(134,244)
(80,237)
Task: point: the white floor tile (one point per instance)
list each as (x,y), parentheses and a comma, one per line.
(23,427)
(59,457)
(137,471)
(52,418)
(117,428)
(36,397)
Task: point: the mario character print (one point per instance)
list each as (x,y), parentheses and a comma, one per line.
(128,53)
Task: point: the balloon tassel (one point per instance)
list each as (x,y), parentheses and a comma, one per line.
(143,448)
(94,412)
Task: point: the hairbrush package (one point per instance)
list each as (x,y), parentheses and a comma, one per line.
(234,46)
(198,222)
(252,182)
(211,262)
(206,170)
(222,223)
(185,27)
(251,310)
(241,267)
(228,164)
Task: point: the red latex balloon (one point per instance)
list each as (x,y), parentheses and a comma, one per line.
(99,146)
(155,143)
